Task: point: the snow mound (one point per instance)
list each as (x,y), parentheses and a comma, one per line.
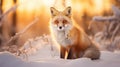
(108,59)
(41,52)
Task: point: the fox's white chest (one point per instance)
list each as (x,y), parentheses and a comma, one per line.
(62,39)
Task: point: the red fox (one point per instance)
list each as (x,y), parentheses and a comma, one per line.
(71,38)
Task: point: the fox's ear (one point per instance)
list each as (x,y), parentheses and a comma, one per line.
(67,11)
(54,12)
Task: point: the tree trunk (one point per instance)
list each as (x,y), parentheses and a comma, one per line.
(14,21)
(1,1)
(0,11)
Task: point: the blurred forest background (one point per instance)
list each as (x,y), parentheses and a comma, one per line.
(15,15)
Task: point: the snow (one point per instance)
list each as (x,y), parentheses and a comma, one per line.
(108,59)
(42,53)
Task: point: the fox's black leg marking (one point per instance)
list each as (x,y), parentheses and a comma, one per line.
(70,54)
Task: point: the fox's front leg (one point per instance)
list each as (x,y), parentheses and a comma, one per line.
(62,52)
(70,54)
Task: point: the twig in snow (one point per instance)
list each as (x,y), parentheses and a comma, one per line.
(111,32)
(17,35)
(115,32)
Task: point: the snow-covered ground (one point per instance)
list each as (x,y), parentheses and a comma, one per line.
(108,59)
(42,54)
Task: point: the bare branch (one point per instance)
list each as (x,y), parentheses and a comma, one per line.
(115,31)
(111,32)
(116,11)
(13,8)
(115,17)
(104,19)
(17,35)
(8,11)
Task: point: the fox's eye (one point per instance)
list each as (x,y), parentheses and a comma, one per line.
(65,22)
(56,21)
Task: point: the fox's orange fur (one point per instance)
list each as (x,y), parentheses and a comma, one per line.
(70,36)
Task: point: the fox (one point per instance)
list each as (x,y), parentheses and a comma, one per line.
(70,36)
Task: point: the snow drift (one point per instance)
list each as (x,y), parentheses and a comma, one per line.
(108,59)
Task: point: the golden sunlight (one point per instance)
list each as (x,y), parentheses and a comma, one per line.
(29,5)
(48,3)
(101,5)
(29,9)
(7,4)
(91,7)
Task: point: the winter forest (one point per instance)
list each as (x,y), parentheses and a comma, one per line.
(26,41)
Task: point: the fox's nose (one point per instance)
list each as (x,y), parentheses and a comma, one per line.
(60,27)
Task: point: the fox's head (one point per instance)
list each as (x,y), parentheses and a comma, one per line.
(61,20)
